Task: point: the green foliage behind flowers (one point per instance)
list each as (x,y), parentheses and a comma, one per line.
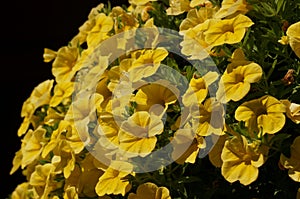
(243,141)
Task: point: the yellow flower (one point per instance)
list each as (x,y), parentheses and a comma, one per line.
(42,179)
(147,63)
(24,191)
(195,3)
(292,111)
(63,159)
(40,96)
(208,117)
(140,2)
(137,134)
(227,31)
(150,190)
(194,44)
(123,20)
(236,84)
(66,131)
(178,7)
(63,66)
(293,33)
(231,8)
(198,89)
(284,40)
(293,163)
(156,97)
(265,113)
(186,146)
(195,17)
(89,177)
(113,180)
(61,91)
(103,24)
(241,160)
(32,145)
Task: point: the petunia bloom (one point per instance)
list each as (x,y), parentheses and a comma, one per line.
(137,135)
(236,84)
(113,180)
(156,97)
(231,8)
(40,96)
(186,146)
(62,91)
(194,44)
(150,190)
(264,114)
(208,117)
(195,17)
(241,160)
(293,33)
(178,7)
(227,31)
(147,63)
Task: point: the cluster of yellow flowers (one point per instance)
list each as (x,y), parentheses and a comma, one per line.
(76,145)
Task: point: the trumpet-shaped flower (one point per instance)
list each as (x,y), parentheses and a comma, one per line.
(236,84)
(123,20)
(63,159)
(178,7)
(264,114)
(63,65)
(137,135)
(61,91)
(43,180)
(32,145)
(103,24)
(194,44)
(293,163)
(186,146)
(241,160)
(195,3)
(208,117)
(23,191)
(227,31)
(113,180)
(293,33)
(156,97)
(147,63)
(292,111)
(89,176)
(150,190)
(198,89)
(40,96)
(140,2)
(231,8)
(66,131)
(195,17)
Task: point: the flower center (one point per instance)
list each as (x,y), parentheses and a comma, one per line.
(228,28)
(261,111)
(247,159)
(115,173)
(239,78)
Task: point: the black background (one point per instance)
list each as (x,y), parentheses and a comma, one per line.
(27,27)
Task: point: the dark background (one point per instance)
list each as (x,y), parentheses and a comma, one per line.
(27,27)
